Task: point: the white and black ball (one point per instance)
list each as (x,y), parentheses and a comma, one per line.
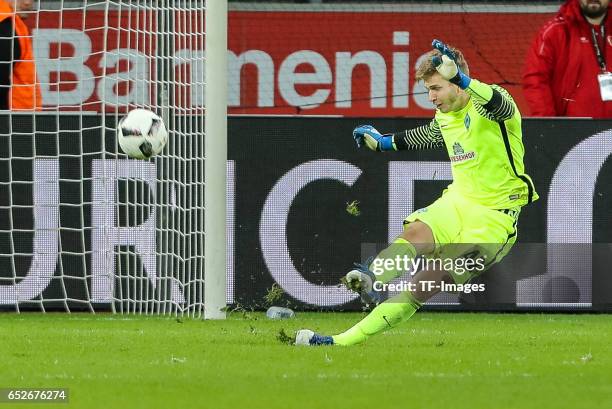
(142,134)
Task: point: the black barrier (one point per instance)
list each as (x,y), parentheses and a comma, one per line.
(306,205)
(295,177)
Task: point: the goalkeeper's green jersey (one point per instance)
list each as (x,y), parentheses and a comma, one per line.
(484,144)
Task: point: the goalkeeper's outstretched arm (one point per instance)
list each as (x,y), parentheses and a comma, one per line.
(422,137)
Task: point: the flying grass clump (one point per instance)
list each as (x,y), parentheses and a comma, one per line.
(352,208)
(274,294)
(283,338)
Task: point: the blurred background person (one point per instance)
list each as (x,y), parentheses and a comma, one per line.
(19,89)
(567,68)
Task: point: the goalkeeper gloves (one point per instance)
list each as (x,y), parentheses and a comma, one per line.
(368,135)
(446,65)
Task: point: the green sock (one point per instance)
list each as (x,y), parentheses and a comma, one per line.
(386,315)
(400,249)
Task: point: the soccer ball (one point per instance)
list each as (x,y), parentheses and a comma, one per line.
(142,134)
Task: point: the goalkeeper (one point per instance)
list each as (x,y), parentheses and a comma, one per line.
(476,217)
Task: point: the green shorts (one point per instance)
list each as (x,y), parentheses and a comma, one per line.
(464,229)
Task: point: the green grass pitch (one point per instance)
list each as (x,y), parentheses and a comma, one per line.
(435,360)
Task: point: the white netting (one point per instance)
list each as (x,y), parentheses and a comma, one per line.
(83,226)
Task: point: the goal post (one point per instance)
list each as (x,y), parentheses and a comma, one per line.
(215,164)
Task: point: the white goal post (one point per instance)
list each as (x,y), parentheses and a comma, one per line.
(82,226)
(215,248)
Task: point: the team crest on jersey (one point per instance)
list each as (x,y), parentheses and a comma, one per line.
(458,149)
(460,155)
(466,121)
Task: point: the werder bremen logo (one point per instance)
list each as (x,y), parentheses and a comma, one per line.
(457,149)
(460,155)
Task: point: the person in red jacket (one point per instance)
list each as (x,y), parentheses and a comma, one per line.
(19,89)
(567,72)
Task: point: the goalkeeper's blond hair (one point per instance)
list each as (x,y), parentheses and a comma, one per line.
(426,68)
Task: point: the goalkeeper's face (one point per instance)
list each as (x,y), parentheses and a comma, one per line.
(445,95)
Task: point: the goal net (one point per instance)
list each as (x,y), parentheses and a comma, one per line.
(83,226)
